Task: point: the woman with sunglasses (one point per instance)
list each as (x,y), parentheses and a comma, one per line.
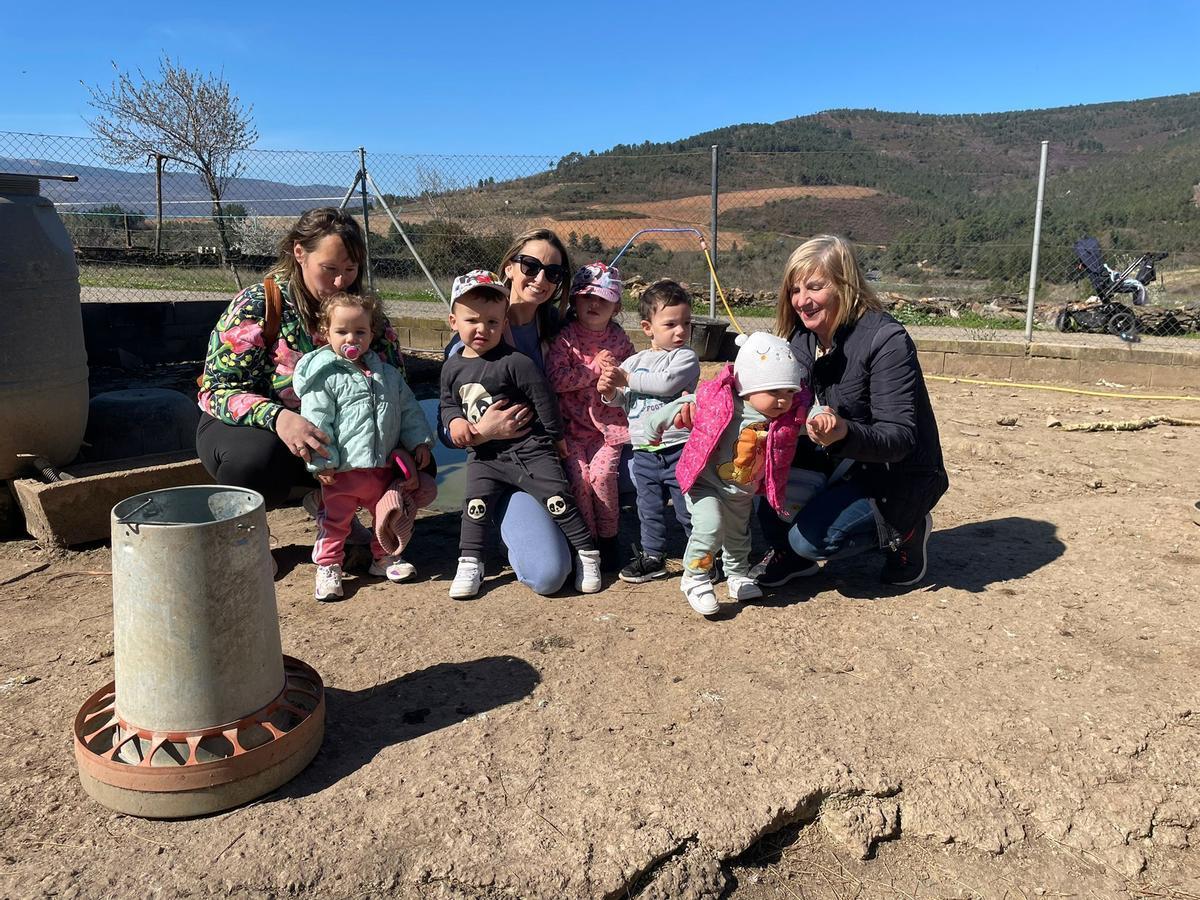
(536,270)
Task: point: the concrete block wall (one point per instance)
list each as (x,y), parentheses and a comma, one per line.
(1132,365)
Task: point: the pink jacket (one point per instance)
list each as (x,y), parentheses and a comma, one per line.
(714,412)
(572,372)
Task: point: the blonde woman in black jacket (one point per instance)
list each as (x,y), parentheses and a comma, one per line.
(870,468)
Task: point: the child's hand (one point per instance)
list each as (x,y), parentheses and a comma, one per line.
(405,465)
(461,433)
(611,379)
(686,416)
(325,476)
(422,456)
(604,359)
(826,427)
(561,446)
(616,378)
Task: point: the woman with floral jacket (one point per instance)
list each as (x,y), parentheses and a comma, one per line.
(250,432)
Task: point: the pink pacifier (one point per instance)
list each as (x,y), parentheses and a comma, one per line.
(350,352)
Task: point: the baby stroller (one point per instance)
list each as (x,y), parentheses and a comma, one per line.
(1102,313)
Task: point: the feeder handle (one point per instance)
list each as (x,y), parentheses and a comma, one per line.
(128,517)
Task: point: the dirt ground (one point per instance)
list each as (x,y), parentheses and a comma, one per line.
(1024,724)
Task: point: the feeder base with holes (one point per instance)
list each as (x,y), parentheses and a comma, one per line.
(175,775)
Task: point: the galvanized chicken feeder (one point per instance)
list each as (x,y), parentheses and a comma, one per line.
(205,712)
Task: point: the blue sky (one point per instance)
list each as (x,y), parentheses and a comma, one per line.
(467,77)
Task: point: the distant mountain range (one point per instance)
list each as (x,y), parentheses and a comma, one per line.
(184,193)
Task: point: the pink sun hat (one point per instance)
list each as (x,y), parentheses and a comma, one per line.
(598,279)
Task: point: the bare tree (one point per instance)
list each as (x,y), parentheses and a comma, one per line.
(434,189)
(187,116)
(258,235)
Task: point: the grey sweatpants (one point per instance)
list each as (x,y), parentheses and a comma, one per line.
(720,518)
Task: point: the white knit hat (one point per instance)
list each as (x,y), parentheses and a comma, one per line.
(765,363)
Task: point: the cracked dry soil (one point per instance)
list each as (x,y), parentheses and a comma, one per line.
(1023,725)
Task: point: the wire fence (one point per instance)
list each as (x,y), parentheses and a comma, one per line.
(942,246)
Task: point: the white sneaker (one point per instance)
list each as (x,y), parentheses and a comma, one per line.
(699,592)
(329,582)
(467,578)
(393,568)
(743,588)
(587,575)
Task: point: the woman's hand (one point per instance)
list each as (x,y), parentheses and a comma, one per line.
(501,422)
(686,416)
(826,427)
(300,436)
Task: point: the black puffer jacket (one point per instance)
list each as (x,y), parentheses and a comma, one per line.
(872,378)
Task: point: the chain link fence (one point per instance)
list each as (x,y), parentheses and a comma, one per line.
(945,246)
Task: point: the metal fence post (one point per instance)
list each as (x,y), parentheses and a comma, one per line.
(1037,240)
(158,169)
(411,249)
(362,162)
(712,283)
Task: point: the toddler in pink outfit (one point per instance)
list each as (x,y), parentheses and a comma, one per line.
(595,434)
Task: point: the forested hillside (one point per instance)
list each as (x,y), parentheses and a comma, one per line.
(952,191)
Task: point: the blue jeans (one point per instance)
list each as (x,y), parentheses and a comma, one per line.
(654,473)
(834,521)
(538,551)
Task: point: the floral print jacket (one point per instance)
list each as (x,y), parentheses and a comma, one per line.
(244,382)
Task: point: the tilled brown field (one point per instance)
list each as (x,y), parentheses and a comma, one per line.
(1024,724)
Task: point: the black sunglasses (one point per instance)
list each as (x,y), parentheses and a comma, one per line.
(531,265)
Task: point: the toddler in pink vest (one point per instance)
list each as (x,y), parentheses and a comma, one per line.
(746,424)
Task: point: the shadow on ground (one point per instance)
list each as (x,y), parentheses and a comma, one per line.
(358,724)
(972,556)
(968,557)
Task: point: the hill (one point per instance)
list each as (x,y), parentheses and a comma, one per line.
(928,196)
(954,191)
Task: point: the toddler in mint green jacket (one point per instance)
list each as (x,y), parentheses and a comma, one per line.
(368,411)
